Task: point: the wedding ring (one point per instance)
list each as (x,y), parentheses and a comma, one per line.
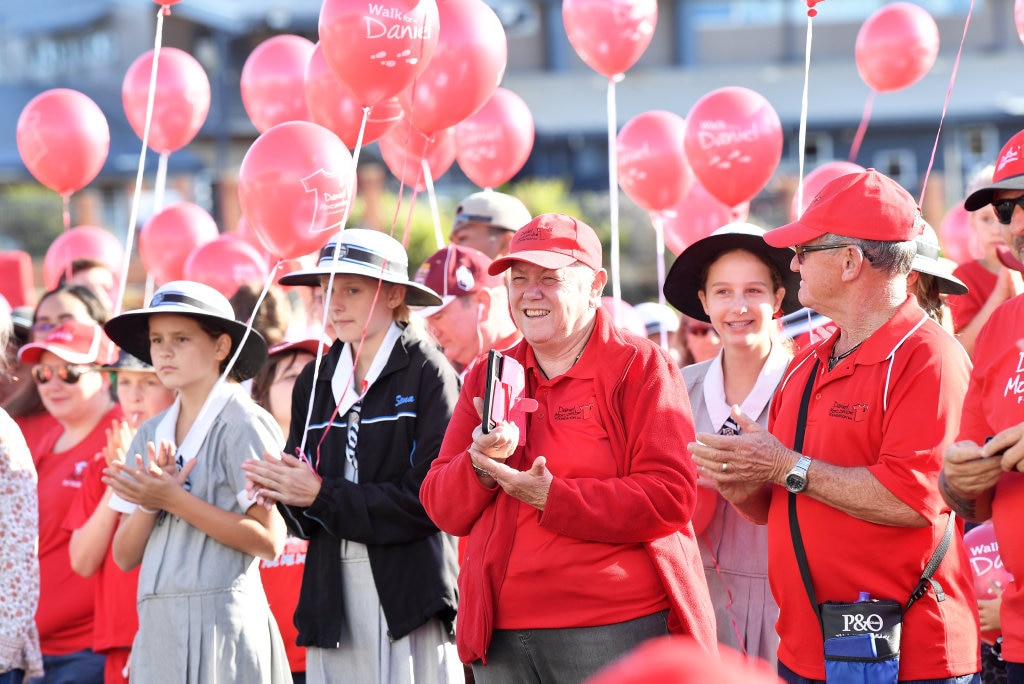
(724,466)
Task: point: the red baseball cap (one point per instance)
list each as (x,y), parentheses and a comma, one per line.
(867,205)
(74,342)
(1008,174)
(454,271)
(552,241)
(310,345)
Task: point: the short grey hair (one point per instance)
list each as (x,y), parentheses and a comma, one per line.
(892,258)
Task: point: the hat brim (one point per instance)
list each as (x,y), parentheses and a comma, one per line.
(540,258)
(130,332)
(128,362)
(795,233)
(943,272)
(31,353)
(979,198)
(428,311)
(683,280)
(309,345)
(415,294)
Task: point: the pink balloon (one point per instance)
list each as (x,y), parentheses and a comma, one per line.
(493,144)
(273,81)
(378,48)
(81,242)
(244,231)
(467,66)
(986,566)
(896,46)
(403,149)
(733,142)
(1018,18)
(610,35)
(225,263)
(653,170)
(169,236)
(624,315)
(816,180)
(695,216)
(295,185)
(63,139)
(333,106)
(956,235)
(180,104)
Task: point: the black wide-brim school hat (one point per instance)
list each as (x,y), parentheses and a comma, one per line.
(683,280)
(130,330)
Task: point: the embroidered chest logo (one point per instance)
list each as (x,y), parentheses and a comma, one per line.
(852,412)
(581,412)
(400,400)
(74,479)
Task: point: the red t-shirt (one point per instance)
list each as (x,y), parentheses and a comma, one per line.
(36,426)
(66,600)
(892,406)
(282,578)
(116,619)
(995,402)
(980,282)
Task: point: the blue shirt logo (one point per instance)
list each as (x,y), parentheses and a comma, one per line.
(399,400)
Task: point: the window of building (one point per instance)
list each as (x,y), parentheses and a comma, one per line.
(900,165)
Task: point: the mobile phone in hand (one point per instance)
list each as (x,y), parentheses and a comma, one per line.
(494,396)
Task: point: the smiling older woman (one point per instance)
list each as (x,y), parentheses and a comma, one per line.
(577,517)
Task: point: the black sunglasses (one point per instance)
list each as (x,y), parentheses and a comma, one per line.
(1005,208)
(698,330)
(68,373)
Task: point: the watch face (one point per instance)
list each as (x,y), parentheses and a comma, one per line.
(795,483)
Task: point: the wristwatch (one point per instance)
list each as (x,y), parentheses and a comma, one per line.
(796,479)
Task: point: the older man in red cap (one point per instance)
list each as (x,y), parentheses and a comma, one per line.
(846,476)
(982,472)
(473,316)
(579,544)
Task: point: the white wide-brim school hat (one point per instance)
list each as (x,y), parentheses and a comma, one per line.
(130,330)
(365,252)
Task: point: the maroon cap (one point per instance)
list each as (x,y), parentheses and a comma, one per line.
(1008,174)
(454,271)
(310,345)
(867,205)
(552,241)
(74,342)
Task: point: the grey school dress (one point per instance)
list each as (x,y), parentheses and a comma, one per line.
(203,615)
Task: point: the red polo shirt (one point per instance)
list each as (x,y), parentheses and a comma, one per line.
(995,401)
(892,406)
(980,282)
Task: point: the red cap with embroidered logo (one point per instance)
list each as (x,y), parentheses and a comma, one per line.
(867,205)
(1008,174)
(552,241)
(74,342)
(454,271)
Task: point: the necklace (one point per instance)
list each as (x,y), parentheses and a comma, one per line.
(542,372)
(834,360)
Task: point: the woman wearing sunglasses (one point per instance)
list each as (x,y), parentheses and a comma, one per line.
(732,280)
(65,368)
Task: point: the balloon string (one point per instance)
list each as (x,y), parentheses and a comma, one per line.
(803,118)
(659,246)
(728,592)
(862,128)
(613,195)
(945,104)
(248,323)
(133,217)
(407,228)
(428,180)
(66,210)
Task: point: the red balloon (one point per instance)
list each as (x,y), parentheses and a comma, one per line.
(467,66)
(956,235)
(733,142)
(169,236)
(181,102)
(403,149)
(245,232)
(273,81)
(817,179)
(610,35)
(333,106)
(896,46)
(986,566)
(1018,18)
(653,170)
(493,144)
(81,242)
(624,315)
(378,48)
(225,263)
(295,185)
(63,139)
(695,216)
(704,512)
